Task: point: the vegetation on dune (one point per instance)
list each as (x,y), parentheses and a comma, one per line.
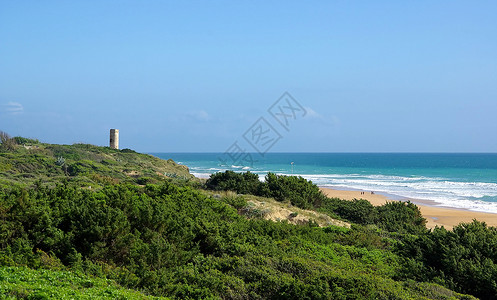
(400,217)
(166,236)
(28,162)
(294,189)
(175,241)
(463,259)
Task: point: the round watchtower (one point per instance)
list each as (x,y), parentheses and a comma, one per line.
(114,138)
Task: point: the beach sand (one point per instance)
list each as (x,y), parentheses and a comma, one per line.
(435,215)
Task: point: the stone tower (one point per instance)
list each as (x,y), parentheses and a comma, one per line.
(114,138)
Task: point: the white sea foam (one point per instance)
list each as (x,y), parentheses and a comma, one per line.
(468,195)
(201,175)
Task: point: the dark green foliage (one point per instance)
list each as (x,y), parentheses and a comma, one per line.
(396,216)
(404,217)
(175,241)
(357,211)
(464,259)
(144,180)
(126,150)
(299,191)
(242,183)
(25,141)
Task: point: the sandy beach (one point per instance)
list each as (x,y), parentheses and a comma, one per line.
(435,215)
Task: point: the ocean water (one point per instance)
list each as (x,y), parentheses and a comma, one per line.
(460,180)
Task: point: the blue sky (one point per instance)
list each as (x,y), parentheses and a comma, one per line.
(193,76)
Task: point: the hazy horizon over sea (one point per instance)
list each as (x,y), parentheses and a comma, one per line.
(459,180)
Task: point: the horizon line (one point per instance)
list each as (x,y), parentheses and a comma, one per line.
(323,152)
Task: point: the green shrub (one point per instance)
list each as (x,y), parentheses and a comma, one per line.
(403,217)
(25,141)
(357,211)
(143,180)
(242,183)
(299,191)
(293,215)
(463,259)
(126,150)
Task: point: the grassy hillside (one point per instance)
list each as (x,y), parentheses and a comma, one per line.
(82,165)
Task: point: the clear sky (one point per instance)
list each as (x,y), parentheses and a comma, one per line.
(193,76)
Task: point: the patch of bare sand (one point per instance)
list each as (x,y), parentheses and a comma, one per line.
(277,211)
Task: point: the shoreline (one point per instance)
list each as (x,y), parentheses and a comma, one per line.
(435,215)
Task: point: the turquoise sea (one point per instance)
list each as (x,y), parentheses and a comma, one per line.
(461,180)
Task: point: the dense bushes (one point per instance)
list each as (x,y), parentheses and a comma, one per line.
(299,191)
(357,211)
(403,217)
(25,141)
(242,183)
(463,259)
(175,241)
